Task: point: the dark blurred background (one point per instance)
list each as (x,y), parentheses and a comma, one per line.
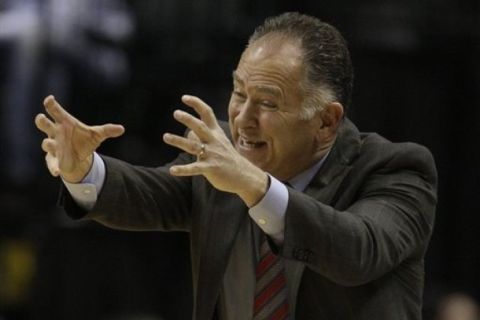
(417,66)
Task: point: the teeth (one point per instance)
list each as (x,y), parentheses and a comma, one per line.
(249,143)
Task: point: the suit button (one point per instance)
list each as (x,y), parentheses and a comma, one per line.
(308,256)
(303,255)
(298,254)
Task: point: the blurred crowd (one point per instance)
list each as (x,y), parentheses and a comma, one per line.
(129,61)
(44,43)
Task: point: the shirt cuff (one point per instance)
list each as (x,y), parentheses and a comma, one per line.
(269,213)
(85,193)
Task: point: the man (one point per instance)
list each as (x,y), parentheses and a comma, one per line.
(347,214)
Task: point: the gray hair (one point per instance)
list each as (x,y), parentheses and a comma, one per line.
(327,60)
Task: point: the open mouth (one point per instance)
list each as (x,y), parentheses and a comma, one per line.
(251,144)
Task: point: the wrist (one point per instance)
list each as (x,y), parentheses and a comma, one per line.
(256,188)
(80,172)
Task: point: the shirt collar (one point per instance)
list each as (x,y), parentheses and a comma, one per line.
(300,181)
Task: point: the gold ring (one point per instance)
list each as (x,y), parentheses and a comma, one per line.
(202,151)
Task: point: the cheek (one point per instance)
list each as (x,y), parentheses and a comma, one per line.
(230,106)
(290,138)
(272,121)
(277,133)
(274,125)
(232,112)
(234,107)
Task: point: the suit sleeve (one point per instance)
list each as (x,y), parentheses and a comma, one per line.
(139,198)
(388,220)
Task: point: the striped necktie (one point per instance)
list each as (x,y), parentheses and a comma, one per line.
(270,290)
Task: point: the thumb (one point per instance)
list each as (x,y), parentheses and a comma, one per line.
(52,164)
(110,131)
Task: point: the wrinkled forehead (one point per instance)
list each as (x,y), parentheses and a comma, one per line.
(273,65)
(274,48)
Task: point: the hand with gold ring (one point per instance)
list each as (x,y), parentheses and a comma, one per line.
(224,167)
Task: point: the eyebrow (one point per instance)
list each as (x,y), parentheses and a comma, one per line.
(262,88)
(236,77)
(270,90)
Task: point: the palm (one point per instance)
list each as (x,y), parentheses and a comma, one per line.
(71,143)
(74,144)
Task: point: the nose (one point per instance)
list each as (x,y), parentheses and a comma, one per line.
(247,115)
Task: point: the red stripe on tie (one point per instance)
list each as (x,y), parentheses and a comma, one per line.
(265,264)
(281,312)
(269,292)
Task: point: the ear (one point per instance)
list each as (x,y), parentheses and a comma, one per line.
(330,119)
(332,115)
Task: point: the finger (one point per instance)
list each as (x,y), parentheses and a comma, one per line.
(54,109)
(52,165)
(45,125)
(192,169)
(109,131)
(192,136)
(204,110)
(196,125)
(191,146)
(49,146)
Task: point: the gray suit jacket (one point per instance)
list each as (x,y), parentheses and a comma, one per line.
(354,240)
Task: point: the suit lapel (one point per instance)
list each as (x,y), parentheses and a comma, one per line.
(326,183)
(324,187)
(224,222)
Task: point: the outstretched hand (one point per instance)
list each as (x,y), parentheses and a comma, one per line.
(217,159)
(70,143)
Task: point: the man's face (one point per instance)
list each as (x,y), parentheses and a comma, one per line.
(265,109)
